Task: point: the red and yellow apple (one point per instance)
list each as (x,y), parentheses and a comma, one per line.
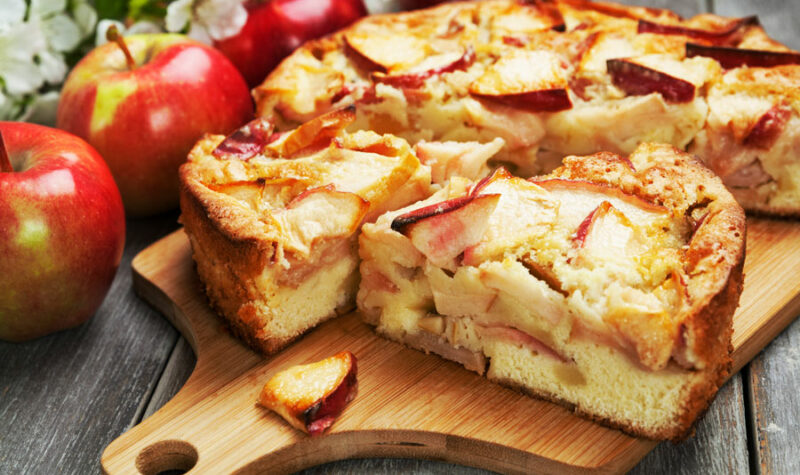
(62,230)
(143,115)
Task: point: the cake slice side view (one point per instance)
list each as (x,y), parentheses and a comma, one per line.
(608,285)
(273,219)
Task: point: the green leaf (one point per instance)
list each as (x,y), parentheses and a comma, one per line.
(112,9)
(147,9)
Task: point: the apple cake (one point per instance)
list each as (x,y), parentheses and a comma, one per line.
(273,219)
(608,285)
(562,77)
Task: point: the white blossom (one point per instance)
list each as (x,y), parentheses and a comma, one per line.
(207,20)
(34,37)
(11,13)
(19,44)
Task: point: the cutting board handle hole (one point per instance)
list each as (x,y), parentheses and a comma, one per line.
(171,457)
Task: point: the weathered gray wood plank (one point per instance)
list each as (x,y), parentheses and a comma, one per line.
(774,378)
(179,367)
(685,8)
(781,18)
(64,397)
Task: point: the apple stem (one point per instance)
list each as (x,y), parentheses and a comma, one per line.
(5,162)
(112,34)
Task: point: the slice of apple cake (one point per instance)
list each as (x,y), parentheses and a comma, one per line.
(273,219)
(608,285)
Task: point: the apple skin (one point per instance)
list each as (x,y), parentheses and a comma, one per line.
(145,121)
(62,232)
(638,80)
(276,28)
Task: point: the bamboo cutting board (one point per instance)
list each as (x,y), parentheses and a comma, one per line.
(409,404)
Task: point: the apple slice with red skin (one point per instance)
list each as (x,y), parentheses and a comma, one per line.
(555,184)
(499,174)
(722,37)
(375,52)
(449,159)
(247,141)
(442,231)
(730,58)
(601,233)
(768,127)
(311,396)
(530,80)
(638,80)
(548,100)
(317,132)
(433,66)
(588,223)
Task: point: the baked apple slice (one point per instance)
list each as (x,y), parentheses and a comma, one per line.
(384,53)
(499,174)
(431,66)
(320,213)
(579,198)
(723,36)
(768,127)
(311,396)
(637,79)
(442,231)
(318,132)
(606,232)
(449,159)
(730,58)
(247,141)
(531,80)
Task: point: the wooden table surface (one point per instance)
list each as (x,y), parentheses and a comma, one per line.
(65,397)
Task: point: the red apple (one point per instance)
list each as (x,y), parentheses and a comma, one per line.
(62,230)
(145,116)
(636,79)
(311,396)
(730,58)
(275,28)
